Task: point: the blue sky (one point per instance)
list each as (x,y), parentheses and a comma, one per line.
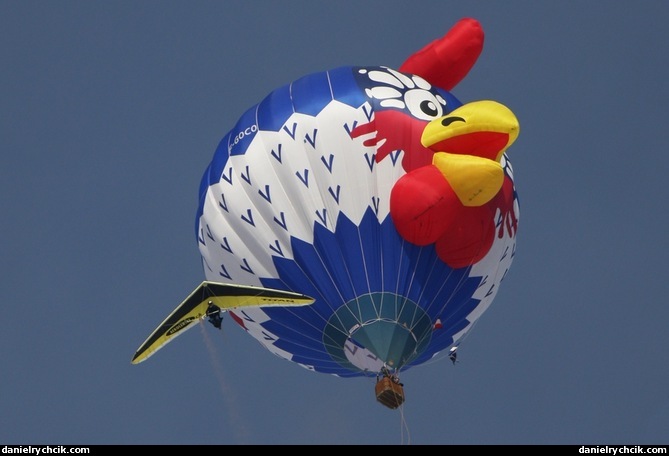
(112,110)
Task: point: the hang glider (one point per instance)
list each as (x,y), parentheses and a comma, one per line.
(208,300)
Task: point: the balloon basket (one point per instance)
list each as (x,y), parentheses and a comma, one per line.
(389,393)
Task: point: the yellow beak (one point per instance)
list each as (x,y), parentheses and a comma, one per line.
(469,143)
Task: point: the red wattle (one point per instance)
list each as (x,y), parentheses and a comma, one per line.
(422,205)
(469,238)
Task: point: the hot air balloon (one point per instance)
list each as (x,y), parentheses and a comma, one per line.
(385,205)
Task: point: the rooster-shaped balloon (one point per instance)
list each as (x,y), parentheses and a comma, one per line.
(378,194)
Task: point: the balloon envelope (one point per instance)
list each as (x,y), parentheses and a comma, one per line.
(297,197)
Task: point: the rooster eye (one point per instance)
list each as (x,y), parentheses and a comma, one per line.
(429,108)
(423,104)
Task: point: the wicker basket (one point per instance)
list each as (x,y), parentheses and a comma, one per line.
(389,393)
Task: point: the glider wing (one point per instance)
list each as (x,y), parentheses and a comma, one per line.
(226,297)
